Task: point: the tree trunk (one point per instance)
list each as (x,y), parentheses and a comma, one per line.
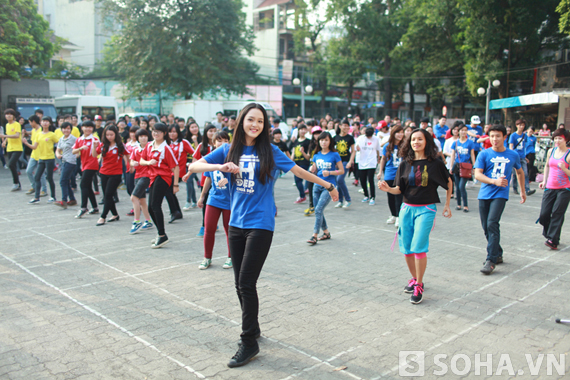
(387,88)
(323,96)
(412,103)
(349,95)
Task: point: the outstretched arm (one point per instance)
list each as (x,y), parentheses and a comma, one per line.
(302,173)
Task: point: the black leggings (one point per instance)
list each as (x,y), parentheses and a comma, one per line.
(109,184)
(310,188)
(173,203)
(158,191)
(249,249)
(204,208)
(47,166)
(394,201)
(13,159)
(367,174)
(87,189)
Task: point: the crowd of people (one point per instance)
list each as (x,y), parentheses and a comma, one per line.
(235,162)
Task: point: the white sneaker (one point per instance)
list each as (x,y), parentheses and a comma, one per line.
(338,205)
(205,264)
(51,200)
(391,220)
(187,206)
(397,222)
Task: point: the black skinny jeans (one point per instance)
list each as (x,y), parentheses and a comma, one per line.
(87,193)
(109,184)
(158,191)
(367,175)
(13,158)
(249,249)
(47,166)
(554,205)
(173,203)
(394,201)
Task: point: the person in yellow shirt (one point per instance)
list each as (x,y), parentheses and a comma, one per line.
(13,143)
(33,161)
(43,142)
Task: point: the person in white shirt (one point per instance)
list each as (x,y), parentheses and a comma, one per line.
(369,147)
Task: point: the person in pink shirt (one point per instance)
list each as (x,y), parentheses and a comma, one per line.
(556,185)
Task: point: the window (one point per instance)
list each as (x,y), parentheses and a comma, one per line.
(265,20)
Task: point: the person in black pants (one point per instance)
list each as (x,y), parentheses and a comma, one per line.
(250,163)
(89,167)
(163,163)
(113,155)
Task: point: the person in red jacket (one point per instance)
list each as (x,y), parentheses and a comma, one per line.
(113,153)
(89,167)
(160,157)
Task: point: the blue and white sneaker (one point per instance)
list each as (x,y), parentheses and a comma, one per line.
(51,200)
(34,201)
(366,199)
(136,227)
(201,233)
(146,225)
(372,202)
(346,204)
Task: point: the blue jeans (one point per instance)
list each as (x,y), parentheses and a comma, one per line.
(299,182)
(190,190)
(341,185)
(47,167)
(321,198)
(31,170)
(524,166)
(67,173)
(460,190)
(490,211)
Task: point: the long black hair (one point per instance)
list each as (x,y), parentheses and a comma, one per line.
(262,145)
(206,142)
(177,129)
(161,127)
(430,151)
(323,136)
(392,140)
(106,143)
(188,134)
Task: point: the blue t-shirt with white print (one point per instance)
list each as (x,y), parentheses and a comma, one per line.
(496,165)
(326,162)
(392,163)
(218,196)
(252,203)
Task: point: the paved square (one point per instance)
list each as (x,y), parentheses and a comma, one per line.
(84,302)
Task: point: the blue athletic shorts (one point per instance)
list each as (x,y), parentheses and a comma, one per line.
(416,223)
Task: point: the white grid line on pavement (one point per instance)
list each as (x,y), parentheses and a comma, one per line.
(292,348)
(106,319)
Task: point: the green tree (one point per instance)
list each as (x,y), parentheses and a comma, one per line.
(374,27)
(430,50)
(24,38)
(564,10)
(343,63)
(500,36)
(182,47)
(309,46)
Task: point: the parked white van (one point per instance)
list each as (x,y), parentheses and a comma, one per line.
(87,105)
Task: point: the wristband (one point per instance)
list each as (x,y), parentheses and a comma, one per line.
(175,185)
(331,188)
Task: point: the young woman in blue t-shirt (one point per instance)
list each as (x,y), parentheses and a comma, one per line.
(251,159)
(389,166)
(464,152)
(326,164)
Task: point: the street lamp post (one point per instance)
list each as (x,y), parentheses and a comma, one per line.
(308,89)
(481,91)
